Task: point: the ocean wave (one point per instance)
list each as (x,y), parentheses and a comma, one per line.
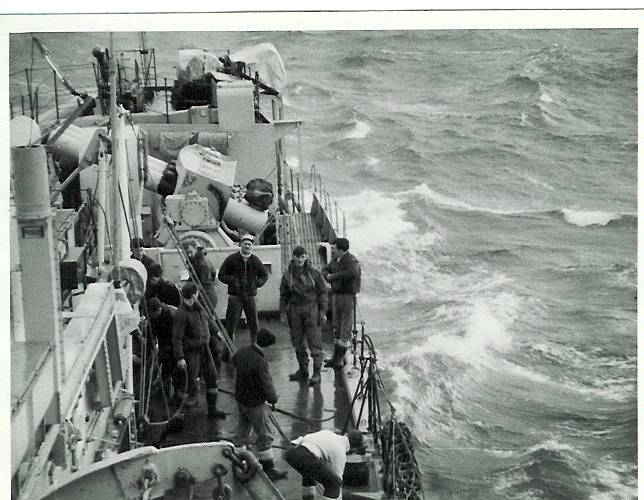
(376,219)
(584,218)
(613,480)
(359,130)
(550,469)
(581,218)
(358,61)
(485,325)
(406,153)
(523,83)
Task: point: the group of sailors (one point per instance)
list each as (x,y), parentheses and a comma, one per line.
(189,346)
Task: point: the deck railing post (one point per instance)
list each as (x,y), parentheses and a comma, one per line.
(22,103)
(35,105)
(165,89)
(154,57)
(299,194)
(292,195)
(31,103)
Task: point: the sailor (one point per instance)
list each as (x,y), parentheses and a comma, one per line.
(204,273)
(320,457)
(202,268)
(161,321)
(136,244)
(190,336)
(166,291)
(244,273)
(253,389)
(343,272)
(303,304)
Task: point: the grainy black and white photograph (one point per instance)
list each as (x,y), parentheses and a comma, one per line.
(329,261)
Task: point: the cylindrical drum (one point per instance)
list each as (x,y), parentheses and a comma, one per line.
(72,144)
(242,216)
(30,182)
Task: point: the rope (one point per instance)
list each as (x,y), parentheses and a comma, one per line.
(294,415)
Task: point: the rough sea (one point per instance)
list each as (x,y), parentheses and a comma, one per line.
(489,182)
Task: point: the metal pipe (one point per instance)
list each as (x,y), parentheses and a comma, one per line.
(101,195)
(66,182)
(299,147)
(292,196)
(22,103)
(11,109)
(31,104)
(36,104)
(299,194)
(156,83)
(337,225)
(56,95)
(165,89)
(115,201)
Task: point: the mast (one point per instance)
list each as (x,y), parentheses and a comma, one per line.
(118,231)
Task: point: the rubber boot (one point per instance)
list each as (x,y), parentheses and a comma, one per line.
(191,401)
(270,470)
(316,378)
(213,412)
(339,358)
(330,363)
(302,372)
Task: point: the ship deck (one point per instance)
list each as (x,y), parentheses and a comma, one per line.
(326,406)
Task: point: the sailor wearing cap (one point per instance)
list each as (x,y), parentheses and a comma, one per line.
(244,273)
(303,304)
(253,389)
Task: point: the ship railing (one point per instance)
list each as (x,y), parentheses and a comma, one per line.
(311,194)
(43,95)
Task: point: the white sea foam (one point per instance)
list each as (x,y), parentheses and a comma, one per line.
(360,130)
(454,203)
(487,332)
(553,444)
(618,481)
(293,161)
(589,218)
(371,161)
(545,98)
(374,219)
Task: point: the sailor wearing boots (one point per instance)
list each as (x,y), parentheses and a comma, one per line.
(253,389)
(320,457)
(303,304)
(161,321)
(190,337)
(244,273)
(343,272)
